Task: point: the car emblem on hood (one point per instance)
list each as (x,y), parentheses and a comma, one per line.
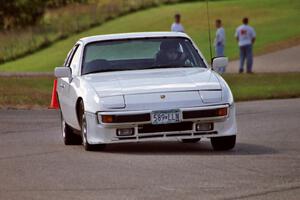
(162,96)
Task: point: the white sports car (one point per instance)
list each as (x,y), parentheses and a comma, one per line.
(143,86)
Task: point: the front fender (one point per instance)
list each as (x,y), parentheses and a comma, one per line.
(89,96)
(227,96)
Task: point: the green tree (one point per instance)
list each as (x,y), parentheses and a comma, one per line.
(20,12)
(59,3)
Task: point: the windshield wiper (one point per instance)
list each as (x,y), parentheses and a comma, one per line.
(105,70)
(152,67)
(168,66)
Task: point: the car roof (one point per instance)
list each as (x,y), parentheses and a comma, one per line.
(121,36)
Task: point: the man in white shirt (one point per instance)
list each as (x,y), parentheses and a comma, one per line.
(176,26)
(220,43)
(245,36)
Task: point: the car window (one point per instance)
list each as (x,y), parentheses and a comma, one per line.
(75,60)
(139,54)
(122,50)
(70,56)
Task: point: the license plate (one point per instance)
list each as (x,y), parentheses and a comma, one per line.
(165,117)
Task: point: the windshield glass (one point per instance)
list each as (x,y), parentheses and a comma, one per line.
(139,54)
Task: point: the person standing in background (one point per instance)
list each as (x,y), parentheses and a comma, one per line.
(220,43)
(245,35)
(176,26)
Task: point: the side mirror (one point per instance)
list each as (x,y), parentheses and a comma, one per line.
(62,72)
(219,62)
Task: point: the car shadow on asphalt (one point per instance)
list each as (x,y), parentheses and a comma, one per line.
(175,148)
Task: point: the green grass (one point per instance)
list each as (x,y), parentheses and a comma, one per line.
(36,91)
(25,92)
(264,86)
(62,22)
(274,21)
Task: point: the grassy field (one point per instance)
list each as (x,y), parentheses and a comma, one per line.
(59,23)
(276,22)
(25,92)
(264,86)
(36,91)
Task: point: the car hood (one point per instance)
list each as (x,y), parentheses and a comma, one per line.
(152,81)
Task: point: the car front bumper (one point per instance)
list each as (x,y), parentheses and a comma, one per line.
(99,133)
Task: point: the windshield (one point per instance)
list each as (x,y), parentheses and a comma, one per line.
(139,54)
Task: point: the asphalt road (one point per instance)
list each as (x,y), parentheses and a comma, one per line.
(286,60)
(34,163)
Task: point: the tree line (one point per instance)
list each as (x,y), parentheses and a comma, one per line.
(21,13)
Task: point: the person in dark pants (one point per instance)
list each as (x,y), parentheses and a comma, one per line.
(245,36)
(220,43)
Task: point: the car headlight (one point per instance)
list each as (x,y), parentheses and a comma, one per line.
(113,102)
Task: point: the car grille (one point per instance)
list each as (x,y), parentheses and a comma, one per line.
(145,117)
(150,128)
(200,114)
(131,118)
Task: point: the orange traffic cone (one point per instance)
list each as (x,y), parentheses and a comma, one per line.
(54,101)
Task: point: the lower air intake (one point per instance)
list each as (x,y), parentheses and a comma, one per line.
(150,128)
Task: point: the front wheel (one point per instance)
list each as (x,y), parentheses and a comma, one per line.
(223,143)
(84,132)
(69,137)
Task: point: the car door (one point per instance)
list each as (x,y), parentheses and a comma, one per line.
(67,87)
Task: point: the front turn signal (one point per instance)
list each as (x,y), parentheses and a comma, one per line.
(222,112)
(107,118)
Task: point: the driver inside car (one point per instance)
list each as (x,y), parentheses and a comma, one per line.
(170,53)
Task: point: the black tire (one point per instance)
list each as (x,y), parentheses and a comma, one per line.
(83,125)
(69,137)
(223,143)
(193,140)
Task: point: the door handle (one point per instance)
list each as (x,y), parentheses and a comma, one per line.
(62,85)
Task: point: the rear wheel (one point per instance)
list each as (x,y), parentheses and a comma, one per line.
(223,143)
(69,137)
(193,140)
(84,132)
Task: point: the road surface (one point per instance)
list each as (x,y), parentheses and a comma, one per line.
(286,60)
(34,163)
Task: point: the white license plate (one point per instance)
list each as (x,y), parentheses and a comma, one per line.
(165,117)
